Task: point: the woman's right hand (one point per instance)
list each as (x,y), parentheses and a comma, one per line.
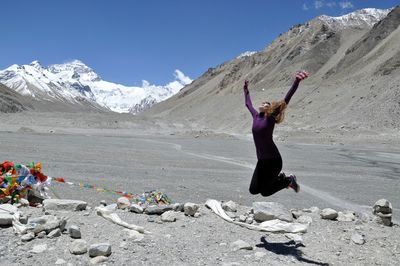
(246,84)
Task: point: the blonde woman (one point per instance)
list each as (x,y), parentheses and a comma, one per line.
(267,177)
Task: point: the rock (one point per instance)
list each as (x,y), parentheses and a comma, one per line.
(54,233)
(74,231)
(101,249)
(38,249)
(230,206)
(8,208)
(24,202)
(23,219)
(265,211)
(358,239)
(123,203)
(157,209)
(178,207)
(6,219)
(98,259)
(231,214)
(242,218)
(190,208)
(169,216)
(346,217)
(60,262)
(329,214)
(296,213)
(64,205)
(305,219)
(135,208)
(382,206)
(134,235)
(312,210)
(249,220)
(28,237)
(197,215)
(383,220)
(111,207)
(240,244)
(103,202)
(298,239)
(63,223)
(78,247)
(41,234)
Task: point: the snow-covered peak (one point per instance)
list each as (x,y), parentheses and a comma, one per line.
(74,69)
(246,54)
(366,16)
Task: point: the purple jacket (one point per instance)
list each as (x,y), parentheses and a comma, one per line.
(263,127)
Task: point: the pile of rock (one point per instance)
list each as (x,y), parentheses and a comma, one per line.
(383,211)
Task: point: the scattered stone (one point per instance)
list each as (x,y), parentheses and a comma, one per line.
(169,216)
(178,207)
(249,220)
(23,219)
(54,233)
(383,209)
(265,211)
(98,259)
(358,239)
(230,206)
(134,235)
(64,205)
(111,207)
(8,208)
(86,214)
(311,210)
(5,219)
(41,234)
(346,217)
(190,208)
(296,213)
(304,219)
(101,249)
(63,223)
(74,231)
(103,202)
(155,209)
(38,249)
(60,262)
(231,214)
(197,215)
(240,244)
(24,202)
(123,203)
(136,208)
(242,218)
(78,247)
(28,237)
(329,214)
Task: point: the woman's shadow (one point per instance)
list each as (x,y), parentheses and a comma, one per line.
(289,248)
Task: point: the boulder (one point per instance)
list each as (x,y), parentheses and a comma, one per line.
(157,209)
(190,209)
(265,211)
(78,247)
(329,214)
(101,249)
(64,205)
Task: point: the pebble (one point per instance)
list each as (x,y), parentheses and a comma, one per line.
(74,231)
(98,259)
(358,239)
(101,249)
(240,244)
(329,214)
(78,247)
(39,248)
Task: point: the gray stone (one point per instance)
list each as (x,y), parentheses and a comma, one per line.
(230,206)
(231,214)
(197,215)
(311,210)
(136,208)
(6,219)
(249,220)
(78,247)
(98,259)
(38,249)
(358,239)
(133,235)
(54,233)
(265,211)
(103,202)
(178,207)
(111,207)
(24,202)
(23,219)
(329,214)
(41,234)
(169,216)
(346,217)
(242,218)
(101,249)
(304,219)
(190,208)
(74,231)
(296,213)
(64,205)
(28,237)
(123,203)
(240,244)
(63,223)
(382,206)
(157,209)
(8,208)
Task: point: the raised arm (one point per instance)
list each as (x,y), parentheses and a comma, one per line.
(247,99)
(299,77)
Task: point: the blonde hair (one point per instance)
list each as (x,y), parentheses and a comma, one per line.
(277,110)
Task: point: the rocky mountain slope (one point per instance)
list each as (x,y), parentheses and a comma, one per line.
(76,84)
(354,83)
(10,101)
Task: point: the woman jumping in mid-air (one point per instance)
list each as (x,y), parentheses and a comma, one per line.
(268,178)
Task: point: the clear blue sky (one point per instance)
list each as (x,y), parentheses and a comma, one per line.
(130,41)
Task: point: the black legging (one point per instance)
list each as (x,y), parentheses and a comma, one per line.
(266,178)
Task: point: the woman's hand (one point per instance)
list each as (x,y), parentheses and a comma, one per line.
(246,84)
(301,75)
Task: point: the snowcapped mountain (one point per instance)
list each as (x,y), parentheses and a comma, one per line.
(359,18)
(75,82)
